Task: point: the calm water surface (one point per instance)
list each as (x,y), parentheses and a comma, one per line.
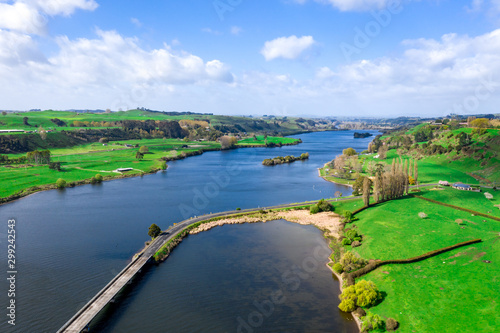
(71,243)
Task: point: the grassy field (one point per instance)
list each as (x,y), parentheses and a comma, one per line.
(453,292)
(85,161)
(286,125)
(262,142)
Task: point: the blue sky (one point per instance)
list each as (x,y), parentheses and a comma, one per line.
(282,57)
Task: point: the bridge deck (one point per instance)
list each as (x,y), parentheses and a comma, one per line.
(93,308)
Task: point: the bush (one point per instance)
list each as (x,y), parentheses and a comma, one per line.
(314,209)
(61,183)
(360,312)
(93,180)
(337,268)
(144,149)
(347,216)
(364,293)
(346,241)
(350,262)
(325,206)
(238,208)
(98,178)
(372,322)
(391,324)
(356,244)
(422,215)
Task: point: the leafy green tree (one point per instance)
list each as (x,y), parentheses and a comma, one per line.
(61,183)
(4,113)
(144,149)
(154,231)
(372,322)
(139,155)
(98,178)
(364,293)
(349,152)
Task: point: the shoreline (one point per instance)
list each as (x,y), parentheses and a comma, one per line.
(331,181)
(47,187)
(302,217)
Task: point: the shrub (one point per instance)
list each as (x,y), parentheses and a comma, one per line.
(372,322)
(422,215)
(238,208)
(360,312)
(350,262)
(364,293)
(314,209)
(93,180)
(61,183)
(356,244)
(144,149)
(391,324)
(346,241)
(351,234)
(337,268)
(98,178)
(325,206)
(348,304)
(347,216)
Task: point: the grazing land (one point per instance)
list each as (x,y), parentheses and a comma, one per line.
(441,293)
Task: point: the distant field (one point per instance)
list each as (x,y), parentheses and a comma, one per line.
(84,162)
(453,292)
(261,141)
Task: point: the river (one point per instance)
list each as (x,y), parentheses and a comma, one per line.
(70,243)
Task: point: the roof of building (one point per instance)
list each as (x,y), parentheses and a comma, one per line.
(461,185)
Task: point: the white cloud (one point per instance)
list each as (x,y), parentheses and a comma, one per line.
(17,48)
(357,5)
(101,69)
(21,17)
(136,22)
(211,31)
(63,7)
(235,30)
(29,16)
(287,47)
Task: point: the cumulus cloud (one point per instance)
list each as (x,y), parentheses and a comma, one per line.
(62,7)
(287,47)
(30,16)
(357,5)
(21,17)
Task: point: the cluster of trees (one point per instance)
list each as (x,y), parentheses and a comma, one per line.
(286,159)
(55,166)
(393,183)
(58,122)
(362,294)
(38,157)
(358,135)
(228,142)
(78,123)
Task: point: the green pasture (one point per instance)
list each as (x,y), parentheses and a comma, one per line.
(261,141)
(454,292)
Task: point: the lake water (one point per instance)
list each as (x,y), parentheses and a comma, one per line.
(71,243)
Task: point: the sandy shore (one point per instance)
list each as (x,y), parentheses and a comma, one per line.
(326,221)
